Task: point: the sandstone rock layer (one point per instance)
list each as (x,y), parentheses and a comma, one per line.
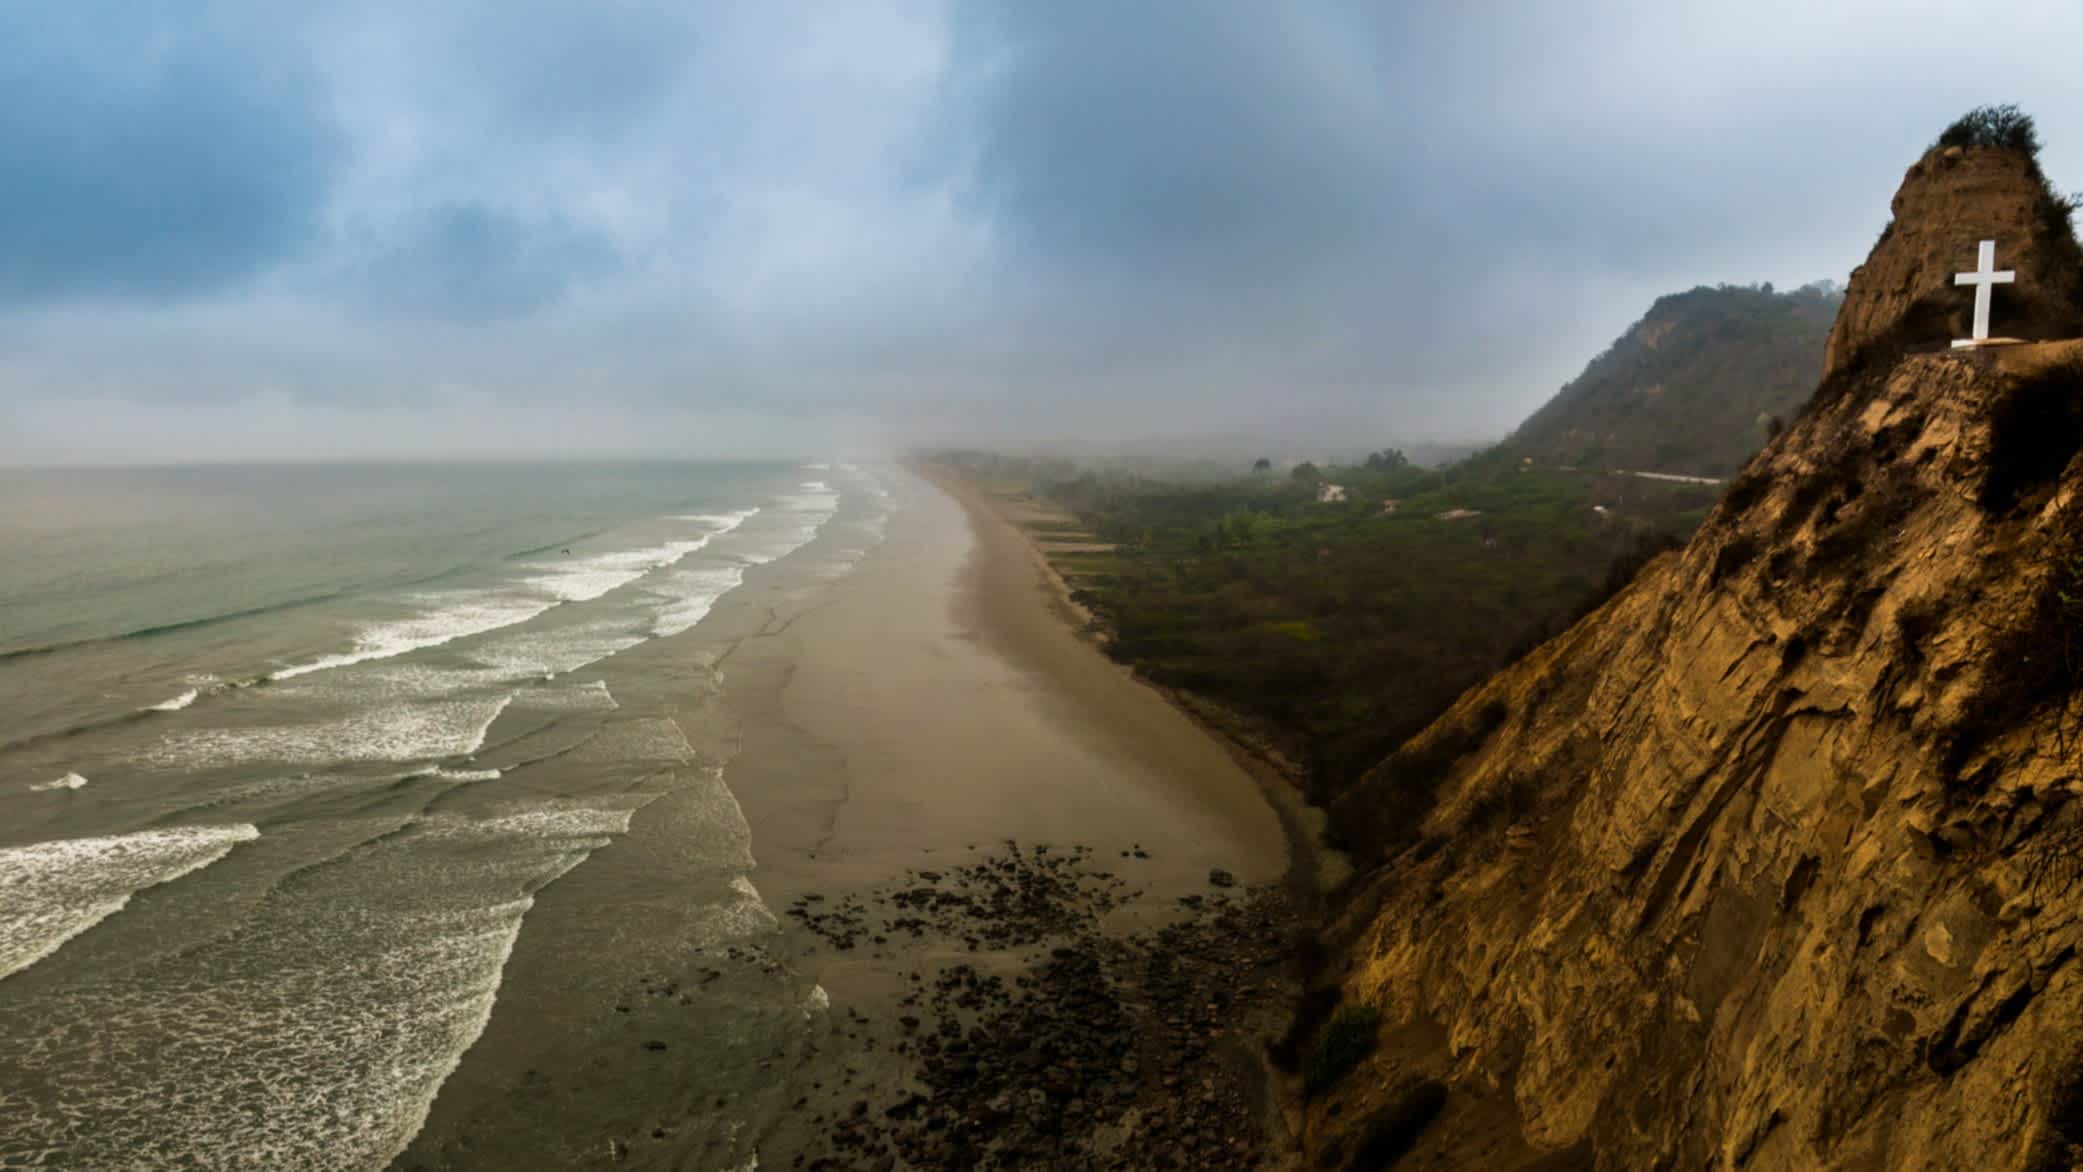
(1776,860)
(1951,199)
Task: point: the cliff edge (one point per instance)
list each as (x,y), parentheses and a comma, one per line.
(1776,860)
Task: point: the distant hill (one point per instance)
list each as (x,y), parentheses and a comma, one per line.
(1690,387)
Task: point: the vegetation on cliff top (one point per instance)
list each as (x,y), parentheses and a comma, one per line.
(2003,127)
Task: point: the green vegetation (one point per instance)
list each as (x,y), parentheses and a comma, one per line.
(2004,127)
(1301,629)
(1343,628)
(1346,1041)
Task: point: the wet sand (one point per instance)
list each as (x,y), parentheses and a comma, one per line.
(1011,566)
(1047,908)
(981,839)
(935,703)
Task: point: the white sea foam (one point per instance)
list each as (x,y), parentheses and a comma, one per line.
(334,1013)
(694,593)
(450,616)
(552,653)
(400,732)
(446,616)
(177,703)
(718,832)
(392,683)
(724,522)
(591,696)
(806,512)
(69,781)
(50,892)
(589,578)
(740,916)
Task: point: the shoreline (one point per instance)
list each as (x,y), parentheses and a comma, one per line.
(973,839)
(986,834)
(1315,870)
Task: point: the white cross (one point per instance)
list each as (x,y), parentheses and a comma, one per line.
(1983,278)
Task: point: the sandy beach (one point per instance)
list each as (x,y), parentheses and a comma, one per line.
(979,837)
(936,701)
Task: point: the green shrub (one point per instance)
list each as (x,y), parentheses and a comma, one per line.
(1346,1040)
(2006,127)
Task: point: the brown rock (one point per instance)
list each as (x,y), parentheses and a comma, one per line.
(1782,802)
(1951,199)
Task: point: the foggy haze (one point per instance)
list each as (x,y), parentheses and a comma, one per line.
(249,230)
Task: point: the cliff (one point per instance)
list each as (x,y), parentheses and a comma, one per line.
(1953,197)
(1690,387)
(1776,860)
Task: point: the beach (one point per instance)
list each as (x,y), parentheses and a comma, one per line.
(955,805)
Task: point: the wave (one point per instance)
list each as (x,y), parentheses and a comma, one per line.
(69,781)
(75,730)
(460,774)
(157,630)
(397,732)
(695,594)
(726,521)
(589,578)
(335,1013)
(51,892)
(548,654)
(461,614)
(456,617)
(177,703)
(592,696)
(117,720)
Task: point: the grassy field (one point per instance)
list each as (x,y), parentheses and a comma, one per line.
(1343,628)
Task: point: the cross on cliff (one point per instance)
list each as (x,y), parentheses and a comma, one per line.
(1985,277)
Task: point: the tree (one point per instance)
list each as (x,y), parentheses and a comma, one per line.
(1261,466)
(1388,460)
(2003,127)
(1307,472)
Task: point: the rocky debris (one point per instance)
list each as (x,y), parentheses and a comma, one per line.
(1009,900)
(1065,1048)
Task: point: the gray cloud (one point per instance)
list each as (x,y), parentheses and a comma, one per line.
(151,156)
(469,262)
(1334,221)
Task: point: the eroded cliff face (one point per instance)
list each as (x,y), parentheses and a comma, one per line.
(1952,198)
(1775,861)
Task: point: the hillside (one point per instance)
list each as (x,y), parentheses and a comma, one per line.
(1690,388)
(1775,861)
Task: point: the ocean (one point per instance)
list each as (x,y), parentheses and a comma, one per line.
(288,754)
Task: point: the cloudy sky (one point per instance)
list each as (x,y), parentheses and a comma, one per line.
(239,228)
